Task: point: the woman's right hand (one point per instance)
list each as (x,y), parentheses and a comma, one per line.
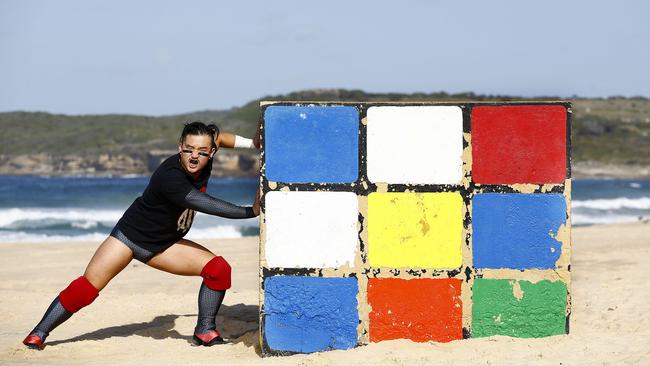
(258,134)
(256,205)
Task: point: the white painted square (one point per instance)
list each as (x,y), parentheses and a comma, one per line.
(311,229)
(415,144)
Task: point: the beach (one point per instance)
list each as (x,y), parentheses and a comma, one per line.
(146,317)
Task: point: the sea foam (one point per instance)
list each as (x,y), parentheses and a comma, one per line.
(641,203)
(13,217)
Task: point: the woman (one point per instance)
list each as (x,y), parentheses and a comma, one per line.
(152,229)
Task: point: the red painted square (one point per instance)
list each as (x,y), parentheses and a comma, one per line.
(519,144)
(419,309)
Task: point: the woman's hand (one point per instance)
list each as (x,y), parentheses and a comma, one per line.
(256,205)
(258,136)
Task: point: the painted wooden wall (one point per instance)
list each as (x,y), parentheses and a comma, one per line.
(423,221)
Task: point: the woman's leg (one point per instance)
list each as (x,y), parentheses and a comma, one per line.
(191,259)
(109,259)
(185,258)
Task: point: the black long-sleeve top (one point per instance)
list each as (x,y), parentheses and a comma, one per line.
(165,211)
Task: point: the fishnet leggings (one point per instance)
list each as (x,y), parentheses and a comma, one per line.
(209,304)
(54,316)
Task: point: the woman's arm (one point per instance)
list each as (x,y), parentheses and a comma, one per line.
(230,140)
(205,203)
(226,139)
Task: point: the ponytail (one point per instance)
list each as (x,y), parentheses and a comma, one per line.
(215,131)
(199,128)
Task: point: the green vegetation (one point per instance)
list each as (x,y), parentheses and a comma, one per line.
(614,130)
(30,133)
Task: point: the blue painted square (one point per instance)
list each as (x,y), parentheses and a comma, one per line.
(310,314)
(311,144)
(516,230)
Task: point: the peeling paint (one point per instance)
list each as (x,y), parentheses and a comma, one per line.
(525,297)
(517,292)
(382,187)
(467,160)
(524,188)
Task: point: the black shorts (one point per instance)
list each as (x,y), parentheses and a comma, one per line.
(139,253)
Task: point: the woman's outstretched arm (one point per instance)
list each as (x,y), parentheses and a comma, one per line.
(203,202)
(230,140)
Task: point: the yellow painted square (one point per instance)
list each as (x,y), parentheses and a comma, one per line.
(417,230)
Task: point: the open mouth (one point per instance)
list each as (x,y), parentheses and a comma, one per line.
(193,163)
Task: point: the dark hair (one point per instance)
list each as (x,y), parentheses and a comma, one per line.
(199,128)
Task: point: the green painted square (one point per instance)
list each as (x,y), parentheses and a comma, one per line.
(518,308)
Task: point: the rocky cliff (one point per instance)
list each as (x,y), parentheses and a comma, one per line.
(234,163)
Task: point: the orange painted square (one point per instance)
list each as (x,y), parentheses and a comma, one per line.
(419,309)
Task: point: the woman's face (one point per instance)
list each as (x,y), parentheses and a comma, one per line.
(196,151)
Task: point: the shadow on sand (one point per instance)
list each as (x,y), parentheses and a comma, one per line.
(237,323)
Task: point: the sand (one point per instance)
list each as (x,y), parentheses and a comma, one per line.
(146,317)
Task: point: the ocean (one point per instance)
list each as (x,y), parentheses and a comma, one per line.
(40,209)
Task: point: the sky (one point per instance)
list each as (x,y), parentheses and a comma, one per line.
(171,57)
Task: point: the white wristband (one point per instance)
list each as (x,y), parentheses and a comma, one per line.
(244,142)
